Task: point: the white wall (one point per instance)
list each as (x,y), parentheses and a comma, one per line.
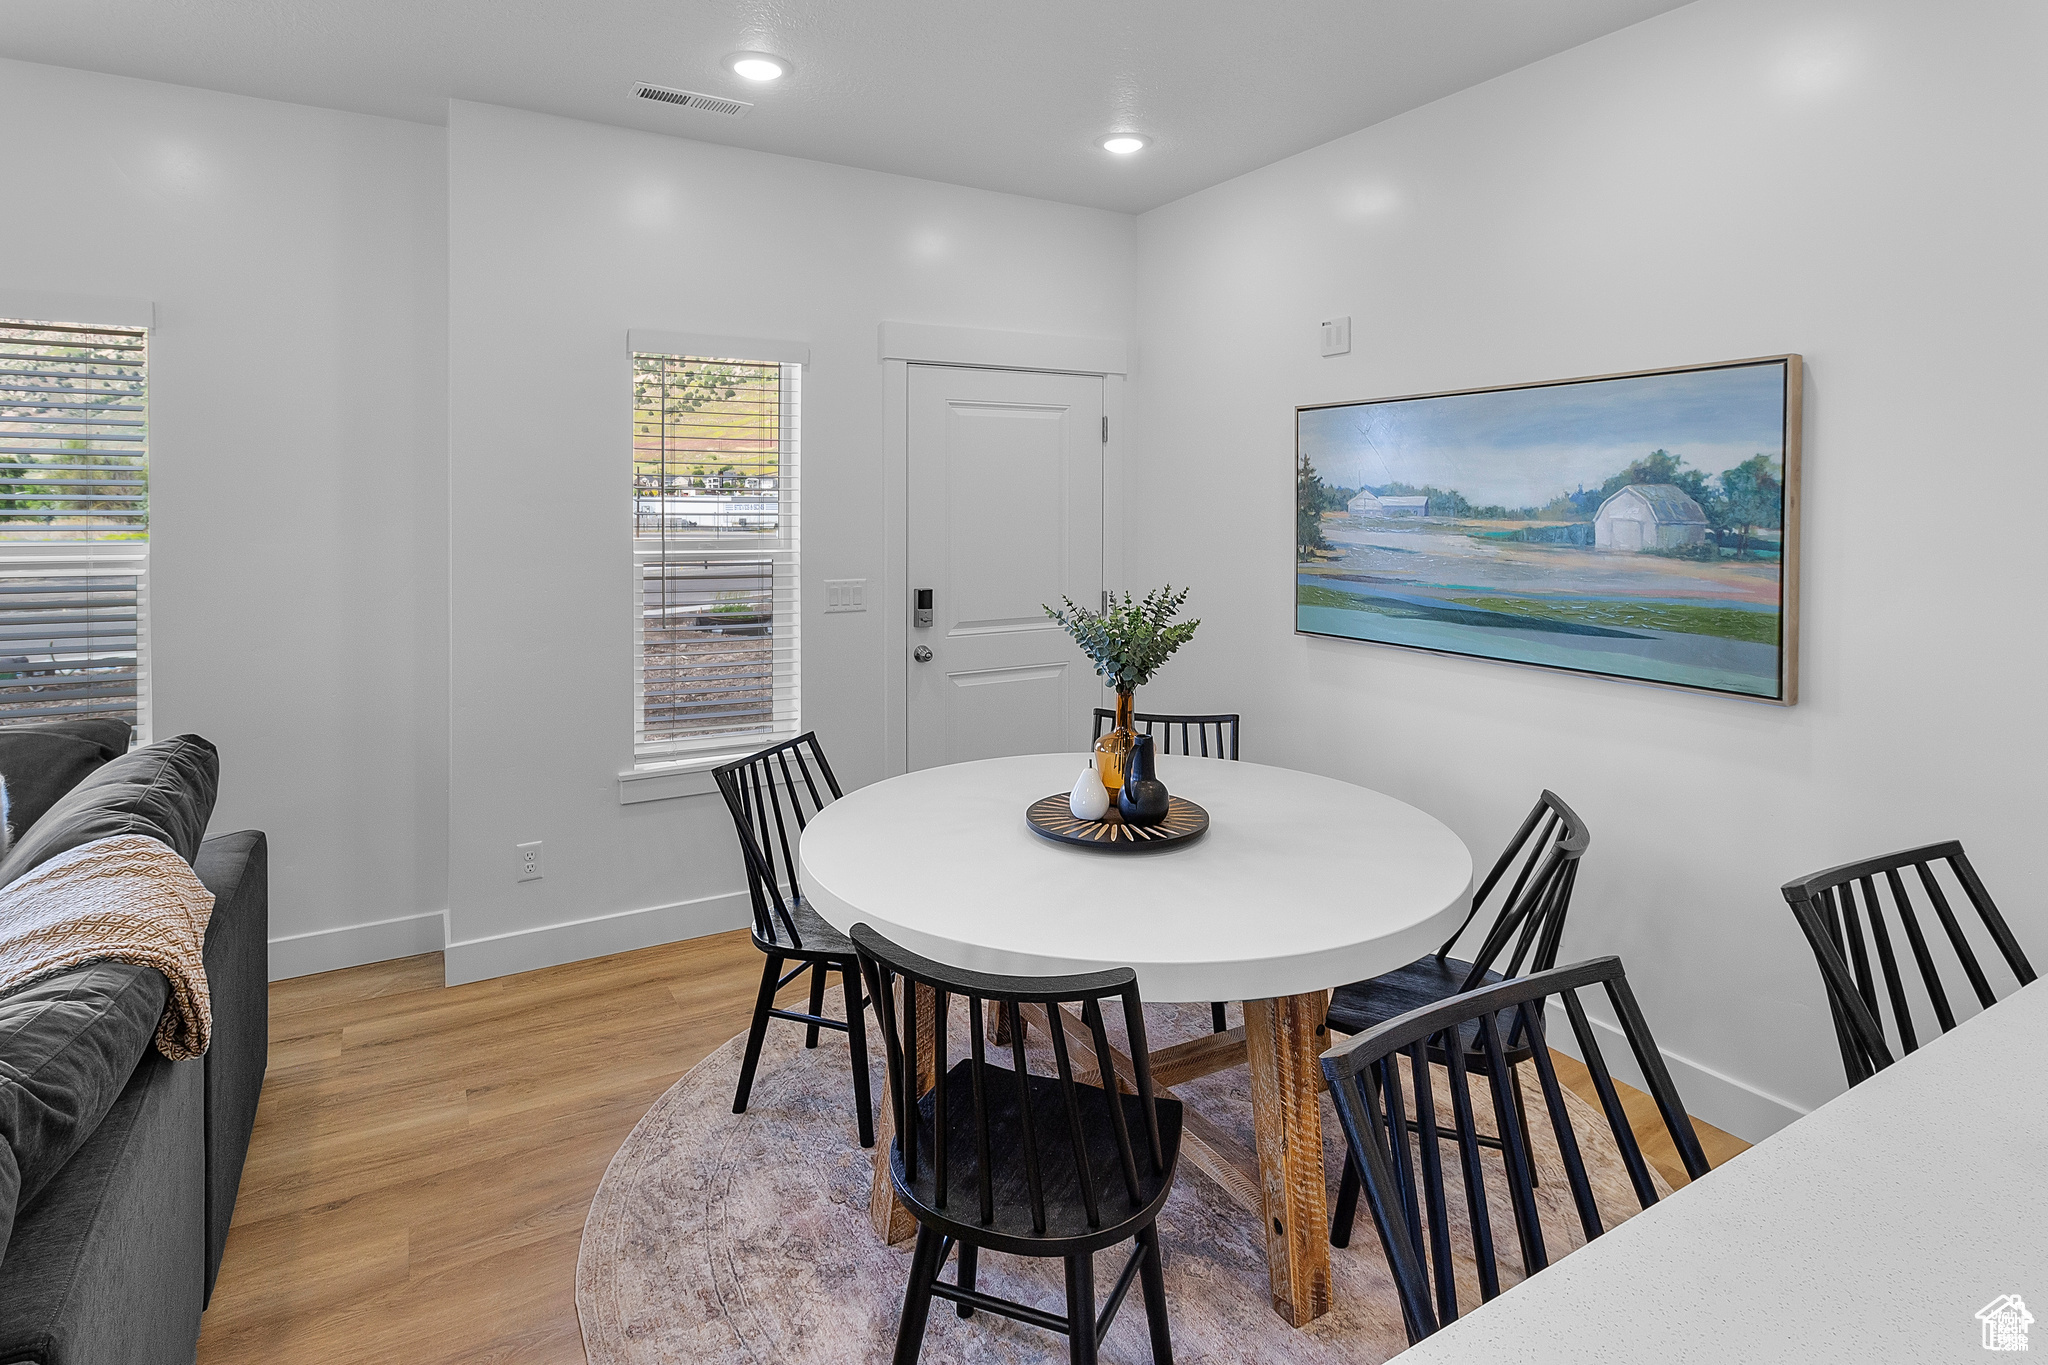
(295,259)
(1856,181)
(562,236)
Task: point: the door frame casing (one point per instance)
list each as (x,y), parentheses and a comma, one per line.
(906,344)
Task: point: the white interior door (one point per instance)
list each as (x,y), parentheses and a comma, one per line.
(1005,514)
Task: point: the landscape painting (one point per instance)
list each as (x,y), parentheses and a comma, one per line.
(1638,526)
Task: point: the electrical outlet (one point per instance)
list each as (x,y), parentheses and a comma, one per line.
(1337,336)
(846,594)
(529,861)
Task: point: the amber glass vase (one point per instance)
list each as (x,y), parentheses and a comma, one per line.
(1114,747)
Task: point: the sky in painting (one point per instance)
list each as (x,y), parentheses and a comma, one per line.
(1523,447)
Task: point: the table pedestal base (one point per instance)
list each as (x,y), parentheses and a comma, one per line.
(1283,1039)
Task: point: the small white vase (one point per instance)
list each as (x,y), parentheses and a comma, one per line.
(1090,799)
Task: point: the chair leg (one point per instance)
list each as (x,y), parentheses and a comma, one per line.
(1216,1016)
(917,1298)
(963,1274)
(998,1024)
(1347,1204)
(770,970)
(817,1002)
(1152,1279)
(1080,1309)
(857,1049)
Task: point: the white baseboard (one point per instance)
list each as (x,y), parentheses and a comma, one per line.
(1732,1106)
(550,945)
(353,945)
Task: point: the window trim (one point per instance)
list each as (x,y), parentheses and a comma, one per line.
(46,305)
(709,344)
(686,774)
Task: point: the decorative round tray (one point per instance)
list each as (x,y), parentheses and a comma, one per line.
(1054,818)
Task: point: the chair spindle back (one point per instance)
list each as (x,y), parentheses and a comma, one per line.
(1533,911)
(772,795)
(1835,908)
(919,993)
(1407,1189)
(1196,734)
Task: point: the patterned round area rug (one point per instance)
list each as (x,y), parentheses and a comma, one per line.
(721,1238)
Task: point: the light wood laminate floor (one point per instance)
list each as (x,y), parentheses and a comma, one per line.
(424,1157)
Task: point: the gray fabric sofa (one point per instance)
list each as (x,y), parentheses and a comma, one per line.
(113,1253)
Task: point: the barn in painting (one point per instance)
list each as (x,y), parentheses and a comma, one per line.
(1369,504)
(1649,516)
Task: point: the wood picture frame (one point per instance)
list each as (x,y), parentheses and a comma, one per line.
(1609,525)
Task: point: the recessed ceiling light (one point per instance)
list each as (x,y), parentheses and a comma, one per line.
(1123,144)
(757,66)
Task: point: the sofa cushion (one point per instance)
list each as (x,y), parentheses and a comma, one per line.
(106,1263)
(164,790)
(42,762)
(68,1044)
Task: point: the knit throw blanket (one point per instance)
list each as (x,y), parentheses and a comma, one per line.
(127,898)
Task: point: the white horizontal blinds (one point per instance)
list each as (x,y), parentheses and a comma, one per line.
(74,521)
(74,428)
(715,514)
(707,649)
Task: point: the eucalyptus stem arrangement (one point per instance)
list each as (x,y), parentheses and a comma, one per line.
(1128,642)
(1131,640)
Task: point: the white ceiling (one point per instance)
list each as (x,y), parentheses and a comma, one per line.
(1008,97)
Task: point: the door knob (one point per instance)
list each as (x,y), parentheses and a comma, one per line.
(922,654)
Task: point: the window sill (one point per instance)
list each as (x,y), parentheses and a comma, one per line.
(665,779)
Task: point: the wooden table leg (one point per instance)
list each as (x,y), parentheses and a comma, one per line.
(892,1221)
(1284,1038)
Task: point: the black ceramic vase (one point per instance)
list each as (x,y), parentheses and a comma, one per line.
(1143,799)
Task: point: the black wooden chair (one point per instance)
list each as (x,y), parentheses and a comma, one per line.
(1531,917)
(1378,1112)
(772,795)
(1196,734)
(1827,907)
(1018,1162)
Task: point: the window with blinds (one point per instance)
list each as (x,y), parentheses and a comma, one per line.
(74,522)
(715,542)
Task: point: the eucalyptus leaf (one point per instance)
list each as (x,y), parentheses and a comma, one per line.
(1133,639)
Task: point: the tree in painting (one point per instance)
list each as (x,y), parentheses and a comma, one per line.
(1752,497)
(1311,500)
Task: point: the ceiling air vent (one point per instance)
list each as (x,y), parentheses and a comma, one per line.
(690,99)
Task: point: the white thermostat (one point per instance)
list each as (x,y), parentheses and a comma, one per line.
(1337,336)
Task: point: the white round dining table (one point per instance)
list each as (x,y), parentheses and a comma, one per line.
(1300,884)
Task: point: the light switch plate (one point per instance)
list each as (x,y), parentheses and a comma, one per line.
(846,594)
(1337,336)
